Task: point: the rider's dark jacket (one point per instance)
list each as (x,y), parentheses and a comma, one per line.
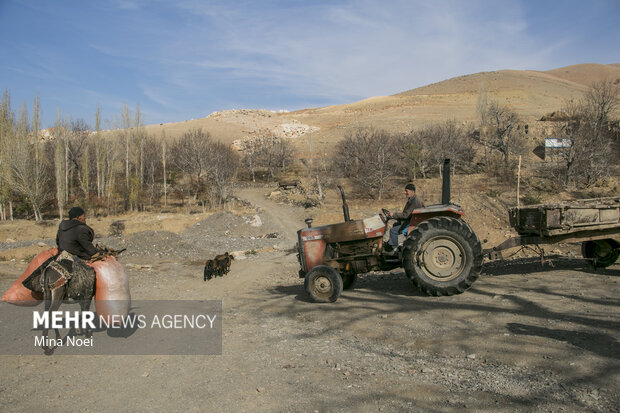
(412,203)
(77,238)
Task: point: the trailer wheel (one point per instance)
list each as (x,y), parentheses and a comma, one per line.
(348,281)
(600,253)
(442,256)
(323,284)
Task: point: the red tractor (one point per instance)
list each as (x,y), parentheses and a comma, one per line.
(440,252)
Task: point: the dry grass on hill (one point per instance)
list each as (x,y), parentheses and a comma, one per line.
(531,93)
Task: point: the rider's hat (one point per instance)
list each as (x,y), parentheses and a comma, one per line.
(75,212)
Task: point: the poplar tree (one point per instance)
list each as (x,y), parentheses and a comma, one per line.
(99,154)
(27,175)
(126,128)
(7,130)
(60,163)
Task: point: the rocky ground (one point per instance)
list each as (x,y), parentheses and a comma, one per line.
(525,337)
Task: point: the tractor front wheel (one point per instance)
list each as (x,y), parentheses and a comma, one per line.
(442,256)
(323,284)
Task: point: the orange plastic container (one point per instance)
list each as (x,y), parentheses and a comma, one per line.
(18,294)
(112,297)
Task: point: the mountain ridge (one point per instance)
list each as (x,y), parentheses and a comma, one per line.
(530,93)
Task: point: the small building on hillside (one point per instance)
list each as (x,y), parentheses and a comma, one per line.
(554,147)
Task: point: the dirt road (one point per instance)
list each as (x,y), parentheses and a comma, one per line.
(524,338)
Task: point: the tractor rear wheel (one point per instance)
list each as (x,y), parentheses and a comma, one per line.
(442,256)
(324,284)
(600,253)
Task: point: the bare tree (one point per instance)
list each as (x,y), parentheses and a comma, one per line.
(61,138)
(223,163)
(274,154)
(133,136)
(415,157)
(27,175)
(601,100)
(268,152)
(140,138)
(78,156)
(163,161)
(112,155)
(504,133)
(7,130)
(589,150)
(251,152)
(152,166)
(126,127)
(190,155)
(369,157)
(448,140)
(99,168)
(423,151)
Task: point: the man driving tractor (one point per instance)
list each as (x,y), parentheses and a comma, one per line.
(413,202)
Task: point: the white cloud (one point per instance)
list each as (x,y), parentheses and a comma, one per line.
(358,49)
(192,55)
(155,94)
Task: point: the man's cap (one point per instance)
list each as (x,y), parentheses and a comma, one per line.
(75,212)
(410,187)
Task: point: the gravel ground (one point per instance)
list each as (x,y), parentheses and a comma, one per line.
(524,338)
(220,232)
(214,235)
(18,244)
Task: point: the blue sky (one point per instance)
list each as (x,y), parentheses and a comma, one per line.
(184,59)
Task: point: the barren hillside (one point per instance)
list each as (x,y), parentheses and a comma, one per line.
(530,93)
(587,73)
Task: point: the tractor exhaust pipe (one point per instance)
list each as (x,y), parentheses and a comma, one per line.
(345,207)
(445,188)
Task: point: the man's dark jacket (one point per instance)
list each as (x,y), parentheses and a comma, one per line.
(412,203)
(76,238)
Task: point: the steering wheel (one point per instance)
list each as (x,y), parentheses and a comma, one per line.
(385,215)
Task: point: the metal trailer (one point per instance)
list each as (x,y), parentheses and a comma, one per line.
(594,222)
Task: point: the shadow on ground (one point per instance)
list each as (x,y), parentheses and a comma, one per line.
(534,264)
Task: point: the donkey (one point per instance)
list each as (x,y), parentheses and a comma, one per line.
(70,280)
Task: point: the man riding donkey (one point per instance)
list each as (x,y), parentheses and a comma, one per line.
(66,275)
(75,237)
(75,244)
